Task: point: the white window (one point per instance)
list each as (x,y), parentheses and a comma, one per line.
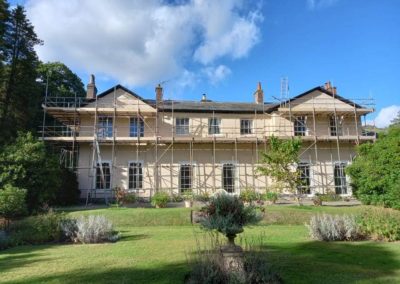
(136,127)
(182,126)
(305,178)
(228,177)
(135,175)
(105,127)
(103,176)
(185,177)
(335,126)
(300,127)
(246,126)
(340,178)
(214,125)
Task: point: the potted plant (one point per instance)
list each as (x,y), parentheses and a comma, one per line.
(188,199)
(317,199)
(160,199)
(248,196)
(227,215)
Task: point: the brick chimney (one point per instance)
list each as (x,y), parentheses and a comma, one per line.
(91,90)
(159,94)
(330,88)
(259,94)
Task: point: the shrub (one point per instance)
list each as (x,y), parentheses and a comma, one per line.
(249,195)
(12,202)
(38,229)
(27,164)
(202,197)
(381,223)
(119,194)
(375,172)
(227,214)
(270,196)
(160,199)
(176,198)
(327,227)
(130,198)
(92,229)
(188,195)
(317,200)
(329,197)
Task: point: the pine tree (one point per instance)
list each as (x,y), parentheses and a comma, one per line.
(20,95)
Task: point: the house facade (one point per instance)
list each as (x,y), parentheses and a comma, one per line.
(119,139)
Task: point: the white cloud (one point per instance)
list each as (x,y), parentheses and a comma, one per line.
(216,74)
(386,115)
(143,42)
(320,4)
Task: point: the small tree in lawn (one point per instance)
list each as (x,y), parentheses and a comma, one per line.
(228,215)
(12,202)
(279,162)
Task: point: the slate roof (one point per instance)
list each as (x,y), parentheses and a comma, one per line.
(211,106)
(222,107)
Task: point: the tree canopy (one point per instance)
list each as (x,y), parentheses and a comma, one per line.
(60,80)
(19,92)
(279,162)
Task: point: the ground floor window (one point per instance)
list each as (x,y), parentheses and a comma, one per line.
(304,169)
(135,175)
(340,178)
(103,176)
(185,177)
(228,177)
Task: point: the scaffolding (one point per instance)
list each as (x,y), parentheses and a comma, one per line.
(156,141)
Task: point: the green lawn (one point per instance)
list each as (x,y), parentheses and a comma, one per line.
(155,244)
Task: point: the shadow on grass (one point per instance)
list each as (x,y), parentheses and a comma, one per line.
(21,256)
(133,237)
(334,262)
(171,273)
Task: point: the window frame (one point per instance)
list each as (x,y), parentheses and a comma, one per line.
(185,126)
(248,130)
(305,188)
(335,126)
(98,175)
(233,184)
(213,127)
(105,126)
(140,175)
(189,188)
(139,126)
(343,182)
(300,126)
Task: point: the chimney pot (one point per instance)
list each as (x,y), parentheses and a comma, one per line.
(91,90)
(259,94)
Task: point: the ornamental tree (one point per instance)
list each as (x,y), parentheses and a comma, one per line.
(279,162)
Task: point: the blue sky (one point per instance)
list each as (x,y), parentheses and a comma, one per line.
(224,49)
